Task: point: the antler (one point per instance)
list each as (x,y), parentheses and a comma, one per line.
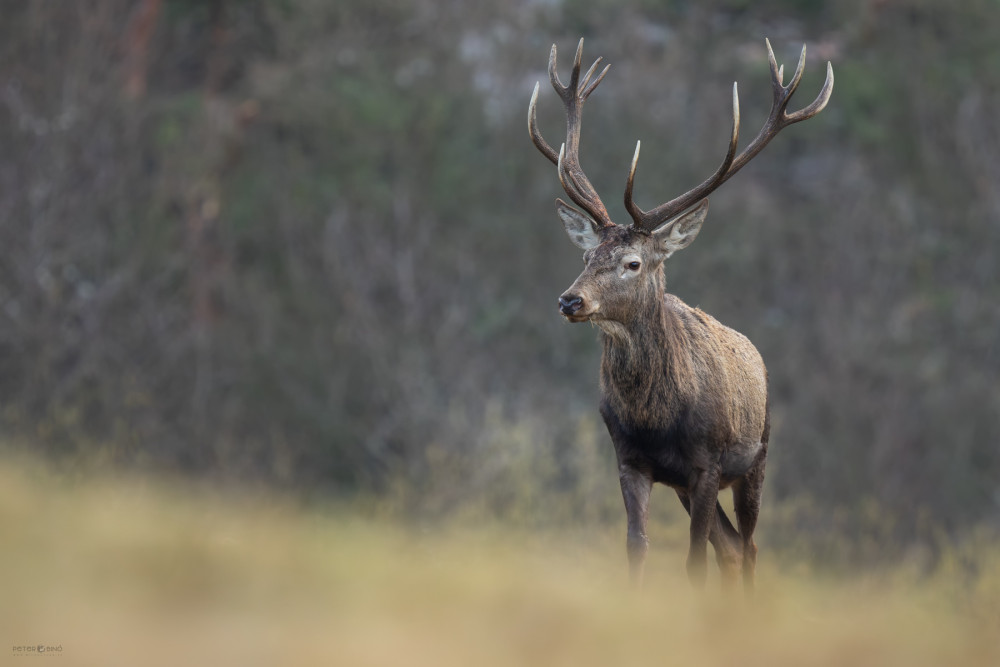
(776,121)
(567,160)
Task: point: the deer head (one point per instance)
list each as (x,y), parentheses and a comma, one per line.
(624,263)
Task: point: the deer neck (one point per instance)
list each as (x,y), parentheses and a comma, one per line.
(644,362)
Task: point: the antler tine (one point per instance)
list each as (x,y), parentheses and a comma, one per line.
(600,77)
(553,74)
(777,73)
(630,206)
(819,103)
(797,77)
(783,93)
(574,77)
(566,92)
(777,120)
(536,136)
(650,220)
(590,72)
(570,184)
(567,160)
(578,187)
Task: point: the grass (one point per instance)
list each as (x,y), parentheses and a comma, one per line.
(133,571)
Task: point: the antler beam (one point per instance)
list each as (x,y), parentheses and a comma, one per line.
(567,159)
(777,120)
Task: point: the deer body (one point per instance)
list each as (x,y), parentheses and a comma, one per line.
(701,401)
(684,398)
(698,423)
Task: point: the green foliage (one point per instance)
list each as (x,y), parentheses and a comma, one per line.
(319,251)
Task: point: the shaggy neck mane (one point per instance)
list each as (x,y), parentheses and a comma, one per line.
(643,362)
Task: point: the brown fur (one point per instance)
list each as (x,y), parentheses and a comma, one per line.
(684,399)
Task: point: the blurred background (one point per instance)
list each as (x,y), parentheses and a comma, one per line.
(309,246)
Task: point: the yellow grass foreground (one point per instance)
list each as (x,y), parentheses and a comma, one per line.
(133,572)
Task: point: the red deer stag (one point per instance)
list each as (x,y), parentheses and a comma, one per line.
(683,397)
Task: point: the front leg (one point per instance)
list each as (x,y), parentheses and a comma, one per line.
(703,492)
(636,486)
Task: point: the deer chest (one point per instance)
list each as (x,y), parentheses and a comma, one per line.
(666,453)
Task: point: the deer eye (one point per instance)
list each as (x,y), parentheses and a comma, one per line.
(634,266)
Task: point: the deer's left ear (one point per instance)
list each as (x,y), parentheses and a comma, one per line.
(679,232)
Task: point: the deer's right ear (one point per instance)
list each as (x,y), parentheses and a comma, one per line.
(581,229)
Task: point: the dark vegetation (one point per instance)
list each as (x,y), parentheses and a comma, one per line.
(310,244)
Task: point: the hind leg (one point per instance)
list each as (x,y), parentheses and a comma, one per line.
(703,493)
(746,501)
(724,539)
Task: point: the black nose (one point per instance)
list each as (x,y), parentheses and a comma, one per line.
(569,304)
